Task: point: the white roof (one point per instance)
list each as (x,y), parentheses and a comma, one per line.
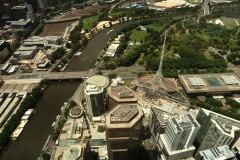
(230,80)
(196,81)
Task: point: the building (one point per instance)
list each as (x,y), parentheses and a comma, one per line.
(220,153)
(177,140)
(95,93)
(2,2)
(122,94)
(42,4)
(123,127)
(216,130)
(21,25)
(25,53)
(4,51)
(158,120)
(210,84)
(19,12)
(31,14)
(73,153)
(7,10)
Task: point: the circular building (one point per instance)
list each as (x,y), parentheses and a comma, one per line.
(98,80)
(75,112)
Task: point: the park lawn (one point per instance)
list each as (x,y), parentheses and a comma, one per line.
(88,22)
(156,26)
(209,56)
(229,22)
(138,35)
(117,14)
(127,83)
(203,36)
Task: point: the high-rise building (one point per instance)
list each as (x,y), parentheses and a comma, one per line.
(177,140)
(123,127)
(7,10)
(19,12)
(31,14)
(42,4)
(95,93)
(2,2)
(216,130)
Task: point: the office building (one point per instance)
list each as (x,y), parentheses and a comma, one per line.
(4,51)
(216,130)
(42,4)
(120,94)
(177,140)
(2,2)
(31,14)
(7,10)
(19,12)
(21,25)
(158,120)
(219,153)
(95,93)
(123,127)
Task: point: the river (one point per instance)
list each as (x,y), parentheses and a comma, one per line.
(94,47)
(30,143)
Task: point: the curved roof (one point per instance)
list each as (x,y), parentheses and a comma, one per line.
(99,80)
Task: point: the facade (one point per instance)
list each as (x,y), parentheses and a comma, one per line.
(221,152)
(158,120)
(21,25)
(19,12)
(7,10)
(95,93)
(123,127)
(177,140)
(216,130)
(4,51)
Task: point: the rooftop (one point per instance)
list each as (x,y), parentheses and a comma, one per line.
(124,113)
(210,83)
(121,94)
(216,153)
(21,22)
(99,80)
(124,116)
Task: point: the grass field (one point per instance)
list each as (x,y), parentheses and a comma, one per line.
(138,35)
(116,14)
(156,26)
(229,22)
(203,36)
(208,55)
(88,22)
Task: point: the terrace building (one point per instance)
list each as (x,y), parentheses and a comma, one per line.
(216,130)
(123,126)
(4,51)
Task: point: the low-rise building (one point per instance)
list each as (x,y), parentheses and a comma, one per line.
(220,153)
(121,94)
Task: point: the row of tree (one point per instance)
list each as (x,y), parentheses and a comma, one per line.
(29,102)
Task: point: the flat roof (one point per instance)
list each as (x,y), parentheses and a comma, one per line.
(215,153)
(121,94)
(213,83)
(123,116)
(21,23)
(99,80)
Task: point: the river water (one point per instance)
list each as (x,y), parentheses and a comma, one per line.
(94,47)
(30,143)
